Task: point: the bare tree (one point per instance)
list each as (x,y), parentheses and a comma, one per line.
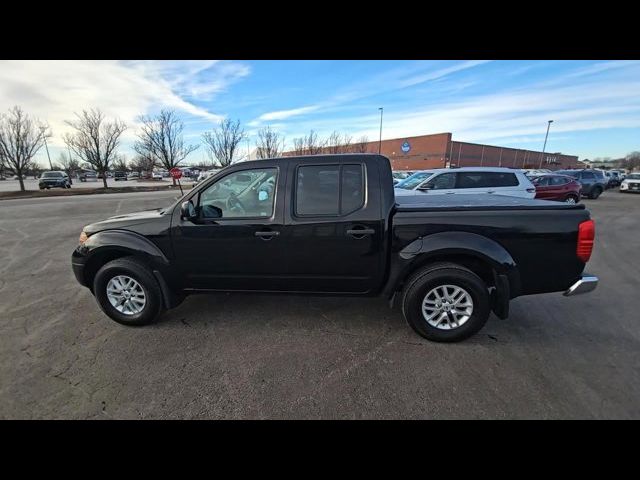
(68,163)
(345,146)
(631,161)
(95,140)
(309,144)
(222,143)
(361,145)
(270,143)
(142,164)
(20,139)
(298,146)
(161,139)
(333,142)
(119,163)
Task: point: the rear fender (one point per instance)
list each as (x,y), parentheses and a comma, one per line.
(444,245)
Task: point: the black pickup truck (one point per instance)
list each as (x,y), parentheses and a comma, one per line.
(330,224)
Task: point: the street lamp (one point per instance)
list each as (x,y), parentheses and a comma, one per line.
(44,137)
(545,142)
(380,140)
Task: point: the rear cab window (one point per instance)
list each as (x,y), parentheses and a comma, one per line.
(329,190)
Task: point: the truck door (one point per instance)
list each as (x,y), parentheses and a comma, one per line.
(334,231)
(234,242)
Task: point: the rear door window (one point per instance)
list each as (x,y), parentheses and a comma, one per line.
(329,190)
(486,179)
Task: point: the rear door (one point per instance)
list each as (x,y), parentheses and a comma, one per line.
(500,183)
(334,231)
(544,190)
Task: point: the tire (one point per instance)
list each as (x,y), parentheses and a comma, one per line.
(129,267)
(421,284)
(572,199)
(595,193)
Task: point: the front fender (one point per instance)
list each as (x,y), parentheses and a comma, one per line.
(102,246)
(447,244)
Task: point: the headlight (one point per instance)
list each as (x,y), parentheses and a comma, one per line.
(83,237)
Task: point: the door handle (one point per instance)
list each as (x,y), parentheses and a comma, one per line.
(360,232)
(491,191)
(266,235)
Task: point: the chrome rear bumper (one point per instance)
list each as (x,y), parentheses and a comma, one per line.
(586,284)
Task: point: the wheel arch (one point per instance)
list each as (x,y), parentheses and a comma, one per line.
(482,255)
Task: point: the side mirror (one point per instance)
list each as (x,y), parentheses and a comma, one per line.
(187,211)
(426,186)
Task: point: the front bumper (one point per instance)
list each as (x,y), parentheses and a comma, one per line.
(586,284)
(77,264)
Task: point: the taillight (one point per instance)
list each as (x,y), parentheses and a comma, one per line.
(586,235)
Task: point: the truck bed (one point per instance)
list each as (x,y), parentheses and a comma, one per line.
(426,202)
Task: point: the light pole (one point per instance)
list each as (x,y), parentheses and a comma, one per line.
(545,142)
(380,139)
(44,137)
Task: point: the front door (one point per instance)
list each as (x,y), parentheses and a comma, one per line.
(234,242)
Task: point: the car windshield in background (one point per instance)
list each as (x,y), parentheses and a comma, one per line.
(570,173)
(414,180)
(51,175)
(633,176)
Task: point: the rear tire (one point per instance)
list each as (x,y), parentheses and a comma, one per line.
(129,267)
(571,199)
(418,293)
(595,193)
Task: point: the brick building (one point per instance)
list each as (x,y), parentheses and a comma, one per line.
(439,150)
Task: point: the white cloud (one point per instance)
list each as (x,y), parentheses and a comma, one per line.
(54,90)
(283,114)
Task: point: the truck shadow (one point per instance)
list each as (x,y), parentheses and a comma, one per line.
(352,316)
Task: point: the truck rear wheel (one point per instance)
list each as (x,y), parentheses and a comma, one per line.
(446,302)
(127,292)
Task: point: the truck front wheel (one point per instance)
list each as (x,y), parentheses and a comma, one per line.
(446,302)
(127,292)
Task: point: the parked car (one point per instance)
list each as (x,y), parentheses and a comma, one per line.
(631,183)
(400,175)
(133,176)
(536,172)
(54,179)
(118,175)
(88,176)
(593,181)
(203,175)
(561,188)
(468,180)
(156,176)
(615,179)
(333,226)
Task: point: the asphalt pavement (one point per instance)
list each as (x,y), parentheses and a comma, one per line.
(285,356)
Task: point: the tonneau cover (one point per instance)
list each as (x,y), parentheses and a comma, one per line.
(426,202)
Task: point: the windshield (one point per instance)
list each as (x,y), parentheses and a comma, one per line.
(633,176)
(51,175)
(414,180)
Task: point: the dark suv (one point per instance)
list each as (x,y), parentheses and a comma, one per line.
(119,176)
(593,181)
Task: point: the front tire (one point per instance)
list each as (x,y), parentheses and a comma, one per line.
(127,292)
(446,302)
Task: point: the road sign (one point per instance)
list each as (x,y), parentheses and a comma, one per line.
(175,172)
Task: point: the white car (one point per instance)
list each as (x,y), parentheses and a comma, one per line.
(631,183)
(468,180)
(156,176)
(206,174)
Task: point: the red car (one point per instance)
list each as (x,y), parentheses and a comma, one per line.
(560,188)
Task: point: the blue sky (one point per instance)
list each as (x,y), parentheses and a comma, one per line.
(595,105)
